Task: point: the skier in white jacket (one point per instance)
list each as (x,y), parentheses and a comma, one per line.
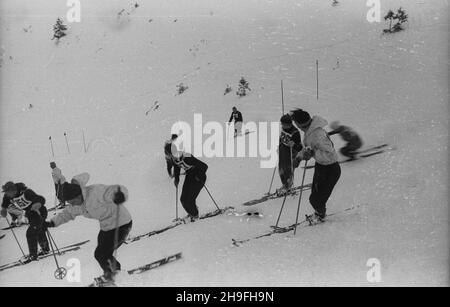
(103,203)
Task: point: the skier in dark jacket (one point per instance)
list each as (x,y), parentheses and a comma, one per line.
(353,140)
(237,117)
(193,183)
(18,195)
(289,145)
(168,154)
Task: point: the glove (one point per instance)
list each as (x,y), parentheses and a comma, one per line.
(119,197)
(36,207)
(3,212)
(307,154)
(291,143)
(48,224)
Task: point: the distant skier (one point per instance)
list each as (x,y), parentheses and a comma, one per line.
(103,203)
(326,170)
(289,145)
(193,183)
(18,195)
(58,179)
(236,116)
(354,141)
(168,153)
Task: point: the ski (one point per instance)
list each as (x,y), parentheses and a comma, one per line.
(176,223)
(274,195)
(14,226)
(155,264)
(150,266)
(62,251)
(278,230)
(2,236)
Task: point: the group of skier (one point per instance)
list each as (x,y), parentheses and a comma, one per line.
(104,202)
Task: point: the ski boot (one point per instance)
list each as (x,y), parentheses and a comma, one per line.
(314,219)
(105,280)
(28,259)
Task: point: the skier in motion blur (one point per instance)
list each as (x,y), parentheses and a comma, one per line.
(289,145)
(103,203)
(354,141)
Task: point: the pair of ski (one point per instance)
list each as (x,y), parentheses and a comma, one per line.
(293,192)
(177,223)
(63,250)
(278,230)
(139,270)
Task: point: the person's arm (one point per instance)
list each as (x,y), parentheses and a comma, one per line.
(68,214)
(335,131)
(116,193)
(231,117)
(297,141)
(36,200)
(239,119)
(322,142)
(176,174)
(5,204)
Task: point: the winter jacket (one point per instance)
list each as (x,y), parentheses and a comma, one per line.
(291,134)
(191,165)
(318,140)
(58,176)
(237,116)
(23,199)
(98,204)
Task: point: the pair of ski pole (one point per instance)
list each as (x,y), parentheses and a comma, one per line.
(60,272)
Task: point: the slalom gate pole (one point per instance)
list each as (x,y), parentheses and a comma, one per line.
(67,143)
(51,146)
(176,202)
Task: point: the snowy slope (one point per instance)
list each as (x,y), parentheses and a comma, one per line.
(103,77)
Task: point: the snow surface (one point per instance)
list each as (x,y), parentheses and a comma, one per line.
(109,70)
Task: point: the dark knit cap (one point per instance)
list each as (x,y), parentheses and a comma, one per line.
(70,190)
(9,186)
(174,136)
(301,117)
(286,119)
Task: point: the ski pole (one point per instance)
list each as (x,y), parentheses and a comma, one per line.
(176,202)
(271,181)
(300,197)
(56,198)
(116,238)
(211,196)
(10,227)
(54,243)
(281,210)
(60,272)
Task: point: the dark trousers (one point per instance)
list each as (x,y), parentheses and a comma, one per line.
(169,165)
(286,165)
(191,189)
(324,179)
(58,191)
(36,232)
(105,248)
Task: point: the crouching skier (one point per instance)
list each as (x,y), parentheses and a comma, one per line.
(22,198)
(193,183)
(103,203)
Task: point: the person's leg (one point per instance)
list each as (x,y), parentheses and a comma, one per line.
(324,180)
(124,230)
(104,251)
(34,232)
(187,198)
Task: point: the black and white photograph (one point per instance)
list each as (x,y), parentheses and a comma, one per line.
(246,145)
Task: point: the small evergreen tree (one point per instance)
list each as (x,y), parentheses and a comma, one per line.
(242,87)
(401,17)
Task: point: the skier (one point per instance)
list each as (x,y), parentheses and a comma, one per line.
(18,195)
(58,179)
(289,145)
(354,141)
(237,117)
(194,181)
(326,170)
(103,203)
(168,154)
